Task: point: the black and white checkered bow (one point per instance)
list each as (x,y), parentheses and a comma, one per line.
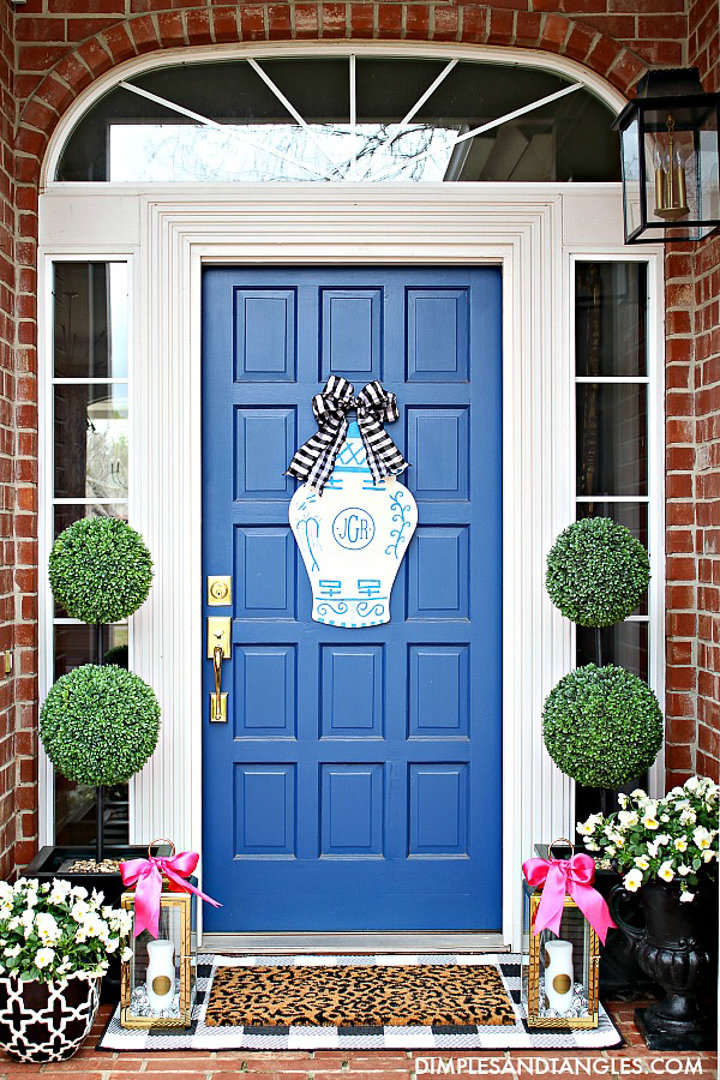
(315,460)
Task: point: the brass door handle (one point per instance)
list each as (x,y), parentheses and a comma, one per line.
(217,667)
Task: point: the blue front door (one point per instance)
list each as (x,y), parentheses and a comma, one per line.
(357,782)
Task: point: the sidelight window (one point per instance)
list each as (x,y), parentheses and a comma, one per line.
(89,478)
(612,383)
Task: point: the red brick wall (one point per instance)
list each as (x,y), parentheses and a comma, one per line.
(693,480)
(62,45)
(7,440)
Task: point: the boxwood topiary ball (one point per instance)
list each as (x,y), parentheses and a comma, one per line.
(602,726)
(597,572)
(99,725)
(100,570)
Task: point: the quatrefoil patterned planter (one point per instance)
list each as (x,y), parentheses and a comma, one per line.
(352,539)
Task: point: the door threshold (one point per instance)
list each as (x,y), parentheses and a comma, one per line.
(378,941)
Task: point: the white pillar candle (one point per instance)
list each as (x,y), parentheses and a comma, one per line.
(161,974)
(559,975)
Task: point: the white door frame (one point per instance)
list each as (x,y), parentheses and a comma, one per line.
(532,232)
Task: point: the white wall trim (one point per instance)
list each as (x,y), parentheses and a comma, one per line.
(532,231)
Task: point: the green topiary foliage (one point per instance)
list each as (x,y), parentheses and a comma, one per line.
(602,726)
(99,725)
(597,572)
(100,570)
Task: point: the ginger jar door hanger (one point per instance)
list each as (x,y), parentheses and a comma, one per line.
(351,518)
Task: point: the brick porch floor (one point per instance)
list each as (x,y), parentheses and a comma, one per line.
(333,1065)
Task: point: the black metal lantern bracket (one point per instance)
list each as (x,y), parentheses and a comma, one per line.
(670,153)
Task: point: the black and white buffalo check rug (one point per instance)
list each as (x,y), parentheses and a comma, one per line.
(509,1032)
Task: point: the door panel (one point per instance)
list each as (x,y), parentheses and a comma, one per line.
(356,784)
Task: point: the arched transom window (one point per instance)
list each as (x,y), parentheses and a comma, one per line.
(343,118)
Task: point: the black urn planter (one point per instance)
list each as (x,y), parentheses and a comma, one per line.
(42,1021)
(677,948)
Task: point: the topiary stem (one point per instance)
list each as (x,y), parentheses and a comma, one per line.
(598,646)
(100,823)
(101,789)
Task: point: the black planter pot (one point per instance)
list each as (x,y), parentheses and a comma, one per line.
(46,1021)
(677,948)
(47,865)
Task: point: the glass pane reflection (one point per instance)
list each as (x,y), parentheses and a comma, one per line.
(90,326)
(252,135)
(611,439)
(91,441)
(78,644)
(610,303)
(625,644)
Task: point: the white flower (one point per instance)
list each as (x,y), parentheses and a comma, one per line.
(651,849)
(14,923)
(79,911)
(684,870)
(677,791)
(43,957)
(94,926)
(686,897)
(638,794)
(590,846)
(708,856)
(13,950)
(688,817)
(112,944)
(666,871)
(692,784)
(60,891)
(680,844)
(642,862)
(633,880)
(650,821)
(27,918)
(623,799)
(79,891)
(628,818)
(662,840)
(5,911)
(126,955)
(47,928)
(610,850)
(703,838)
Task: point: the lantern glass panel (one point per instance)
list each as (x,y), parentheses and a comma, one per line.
(159,984)
(681,169)
(709,171)
(631,176)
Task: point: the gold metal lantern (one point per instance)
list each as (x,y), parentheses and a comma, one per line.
(560,984)
(158,981)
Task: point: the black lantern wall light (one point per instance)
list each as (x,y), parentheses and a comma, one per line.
(670,158)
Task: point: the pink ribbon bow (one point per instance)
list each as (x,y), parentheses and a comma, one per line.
(575,877)
(148,873)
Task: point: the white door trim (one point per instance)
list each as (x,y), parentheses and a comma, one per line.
(530,230)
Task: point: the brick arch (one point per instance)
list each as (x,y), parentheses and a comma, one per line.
(356,20)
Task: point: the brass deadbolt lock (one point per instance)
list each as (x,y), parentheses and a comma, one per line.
(219,591)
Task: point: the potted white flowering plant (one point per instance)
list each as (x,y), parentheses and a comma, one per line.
(667,850)
(55,941)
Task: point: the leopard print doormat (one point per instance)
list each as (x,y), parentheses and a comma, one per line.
(357,1002)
